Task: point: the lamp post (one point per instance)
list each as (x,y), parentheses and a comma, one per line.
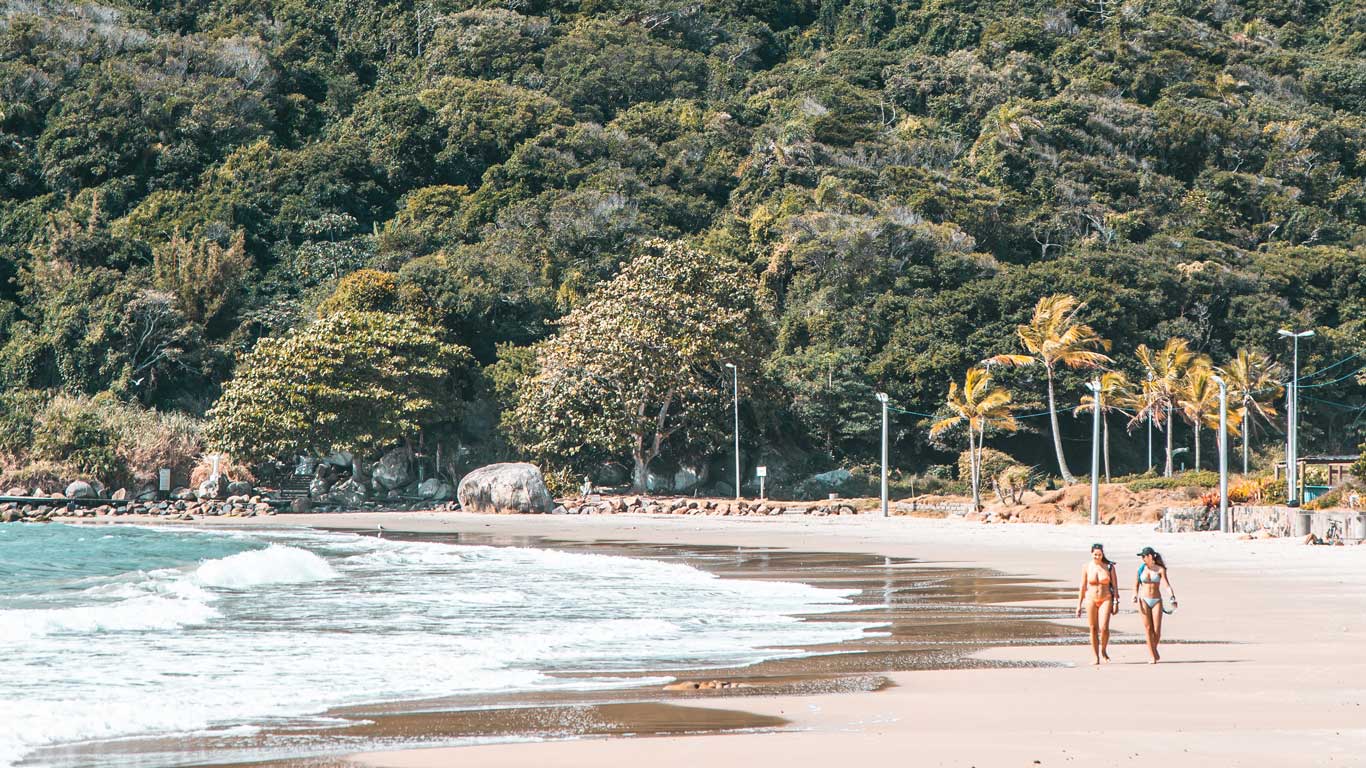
(735,383)
(1223,454)
(1150,431)
(1292,456)
(882,398)
(1094,386)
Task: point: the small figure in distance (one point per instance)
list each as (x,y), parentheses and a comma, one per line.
(1148,595)
(1099,598)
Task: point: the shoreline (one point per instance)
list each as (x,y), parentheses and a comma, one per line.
(1270,616)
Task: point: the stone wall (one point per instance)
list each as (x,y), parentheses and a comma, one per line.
(1274,520)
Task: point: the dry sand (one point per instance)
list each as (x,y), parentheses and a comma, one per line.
(1268,667)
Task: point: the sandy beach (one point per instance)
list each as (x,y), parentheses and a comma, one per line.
(1263,664)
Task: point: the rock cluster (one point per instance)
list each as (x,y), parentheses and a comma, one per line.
(176,509)
(646,505)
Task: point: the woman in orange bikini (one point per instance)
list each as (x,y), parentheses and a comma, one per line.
(1099,595)
(1148,595)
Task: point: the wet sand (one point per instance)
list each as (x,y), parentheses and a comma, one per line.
(1262,665)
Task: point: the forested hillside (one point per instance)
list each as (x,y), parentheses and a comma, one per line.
(901,180)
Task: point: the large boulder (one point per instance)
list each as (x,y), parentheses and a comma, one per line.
(393,470)
(434,489)
(349,494)
(240,488)
(80,489)
(821,485)
(213,488)
(505,489)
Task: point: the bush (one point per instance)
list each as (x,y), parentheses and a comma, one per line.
(1333,498)
(1192,479)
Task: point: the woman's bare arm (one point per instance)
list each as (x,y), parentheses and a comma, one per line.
(1170,588)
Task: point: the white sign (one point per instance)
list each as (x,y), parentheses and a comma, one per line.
(761,471)
(164,476)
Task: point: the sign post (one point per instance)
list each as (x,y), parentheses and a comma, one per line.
(761,472)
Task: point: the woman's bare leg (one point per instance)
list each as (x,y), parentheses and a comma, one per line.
(1157,630)
(1104,615)
(1148,627)
(1094,620)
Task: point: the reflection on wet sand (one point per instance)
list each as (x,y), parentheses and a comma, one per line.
(928,616)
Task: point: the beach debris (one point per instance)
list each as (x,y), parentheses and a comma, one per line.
(708,685)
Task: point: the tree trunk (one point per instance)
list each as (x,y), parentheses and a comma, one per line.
(640,472)
(1105,425)
(1167,430)
(1245,438)
(972,469)
(1197,446)
(1067,477)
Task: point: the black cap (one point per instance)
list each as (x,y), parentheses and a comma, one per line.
(1146,551)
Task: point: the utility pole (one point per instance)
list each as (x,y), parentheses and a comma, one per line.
(882,398)
(735,383)
(1095,451)
(1223,454)
(1292,455)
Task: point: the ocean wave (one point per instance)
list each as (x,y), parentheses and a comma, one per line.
(276,564)
(146,612)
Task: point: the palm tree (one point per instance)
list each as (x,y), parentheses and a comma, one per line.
(1053,337)
(1163,370)
(981,404)
(1198,399)
(1254,383)
(1114,393)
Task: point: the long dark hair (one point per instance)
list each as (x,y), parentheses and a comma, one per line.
(1157,559)
(1103,557)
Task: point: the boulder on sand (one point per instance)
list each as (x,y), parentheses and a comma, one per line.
(394,469)
(80,489)
(505,489)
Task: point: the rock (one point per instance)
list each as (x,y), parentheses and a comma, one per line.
(822,485)
(301,506)
(121,494)
(686,479)
(182,494)
(213,488)
(10,515)
(512,488)
(240,488)
(435,489)
(80,489)
(393,470)
(339,459)
(16,492)
(318,487)
(723,489)
(349,494)
(655,482)
(559,510)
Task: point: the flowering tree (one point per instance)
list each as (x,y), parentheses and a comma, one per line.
(637,360)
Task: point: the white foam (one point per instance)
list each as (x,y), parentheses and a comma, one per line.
(147,612)
(275,564)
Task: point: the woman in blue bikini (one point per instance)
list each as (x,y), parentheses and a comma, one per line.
(1148,595)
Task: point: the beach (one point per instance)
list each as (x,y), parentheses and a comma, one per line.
(1262,664)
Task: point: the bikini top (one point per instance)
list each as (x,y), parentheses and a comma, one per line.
(1094,580)
(1147,576)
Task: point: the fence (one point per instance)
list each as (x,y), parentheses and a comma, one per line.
(1278,521)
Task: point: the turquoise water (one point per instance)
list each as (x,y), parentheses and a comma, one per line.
(118,631)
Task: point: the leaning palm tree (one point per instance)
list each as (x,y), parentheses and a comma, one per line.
(980,404)
(1198,400)
(1254,383)
(1163,370)
(1115,393)
(1054,337)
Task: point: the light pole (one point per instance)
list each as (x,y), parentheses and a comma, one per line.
(882,398)
(1292,457)
(735,382)
(1094,386)
(1223,454)
(1150,430)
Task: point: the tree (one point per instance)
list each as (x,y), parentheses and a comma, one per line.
(1254,383)
(1164,370)
(1198,400)
(1114,393)
(978,404)
(1053,337)
(205,277)
(635,361)
(349,381)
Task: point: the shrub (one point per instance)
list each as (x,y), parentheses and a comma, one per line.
(1333,498)
(1244,491)
(1192,479)
(73,432)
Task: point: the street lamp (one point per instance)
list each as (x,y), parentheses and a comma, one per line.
(1292,456)
(882,398)
(1096,407)
(735,383)
(1223,454)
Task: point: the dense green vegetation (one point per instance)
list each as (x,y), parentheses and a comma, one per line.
(901,179)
